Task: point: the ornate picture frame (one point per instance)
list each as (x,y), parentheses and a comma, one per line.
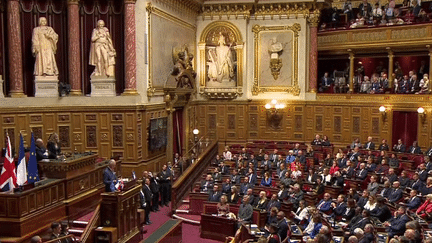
(275,65)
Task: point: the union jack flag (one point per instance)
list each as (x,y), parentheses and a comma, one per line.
(8,179)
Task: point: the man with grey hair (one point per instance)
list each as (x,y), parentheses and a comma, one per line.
(110,177)
(41,151)
(36,239)
(352,239)
(245,211)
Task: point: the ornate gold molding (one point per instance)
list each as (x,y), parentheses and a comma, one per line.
(228,10)
(152,10)
(397,37)
(72,2)
(294,89)
(221,93)
(284,10)
(314,18)
(130,1)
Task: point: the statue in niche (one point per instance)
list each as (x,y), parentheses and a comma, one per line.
(275,50)
(102,52)
(44,48)
(221,62)
(183,69)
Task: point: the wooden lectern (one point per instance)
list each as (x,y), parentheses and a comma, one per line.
(119,210)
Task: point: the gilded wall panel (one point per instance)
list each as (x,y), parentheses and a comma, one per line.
(356,124)
(318,123)
(91,136)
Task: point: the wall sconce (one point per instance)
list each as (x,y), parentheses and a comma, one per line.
(422,113)
(383,112)
(274,113)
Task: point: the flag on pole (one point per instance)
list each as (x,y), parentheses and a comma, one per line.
(8,179)
(33,174)
(22,167)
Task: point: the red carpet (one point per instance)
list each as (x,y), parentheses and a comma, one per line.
(191,233)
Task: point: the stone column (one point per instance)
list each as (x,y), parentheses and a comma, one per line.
(130,52)
(74,48)
(351,73)
(390,68)
(313,54)
(15,49)
(430,69)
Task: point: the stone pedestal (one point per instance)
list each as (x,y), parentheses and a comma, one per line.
(46,86)
(1,87)
(102,86)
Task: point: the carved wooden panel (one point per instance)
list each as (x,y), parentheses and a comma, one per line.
(117,135)
(8,120)
(91,136)
(212,121)
(253,108)
(375,125)
(117,117)
(253,122)
(64,136)
(298,123)
(356,124)
(231,121)
(90,117)
(139,134)
(35,118)
(37,133)
(337,124)
(63,118)
(318,123)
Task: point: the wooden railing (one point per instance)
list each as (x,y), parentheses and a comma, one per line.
(185,182)
(88,234)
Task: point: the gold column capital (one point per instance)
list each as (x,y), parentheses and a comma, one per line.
(129,1)
(314,18)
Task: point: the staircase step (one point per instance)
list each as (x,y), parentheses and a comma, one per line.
(79,224)
(76,231)
(180,211)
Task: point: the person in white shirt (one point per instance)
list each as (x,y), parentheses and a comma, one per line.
(227,154)
(371,203)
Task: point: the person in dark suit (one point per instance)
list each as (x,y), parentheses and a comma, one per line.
(386,191)
(273,157)
(252,177)
(261,202)
(399,147)
(207,184)
(244,186)
(282,225)
(226,187)
(235,177)
(381,211)
(317,140)
(234,195)
(109,176)
(148,198)
(41,151)
(224,169)
(414,149)
(422,172)
(154,187)
(53,146)
(296,196)
(391,176)
(349,213)
(365,9)
(396,225)
(56,231)
(429,152)
(215,194)
(361,174)
(165,184)
(413,201)
(251,197)
(416,183)
(365,219)
(383,146)
(339,207)
(338,179)
(363,199)
(274,202)
(396,193)
(65,232)
(369,145)
(324,205)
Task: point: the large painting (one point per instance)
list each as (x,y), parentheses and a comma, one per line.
(166,33)
(158,134)
(276,59)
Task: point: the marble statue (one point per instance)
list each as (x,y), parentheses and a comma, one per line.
(221,65)
(275,48)
(102,52)
(44,47)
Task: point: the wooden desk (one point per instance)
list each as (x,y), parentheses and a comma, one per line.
(196,202)
(71,167)
(119,209)
(258,217)
(217,228)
